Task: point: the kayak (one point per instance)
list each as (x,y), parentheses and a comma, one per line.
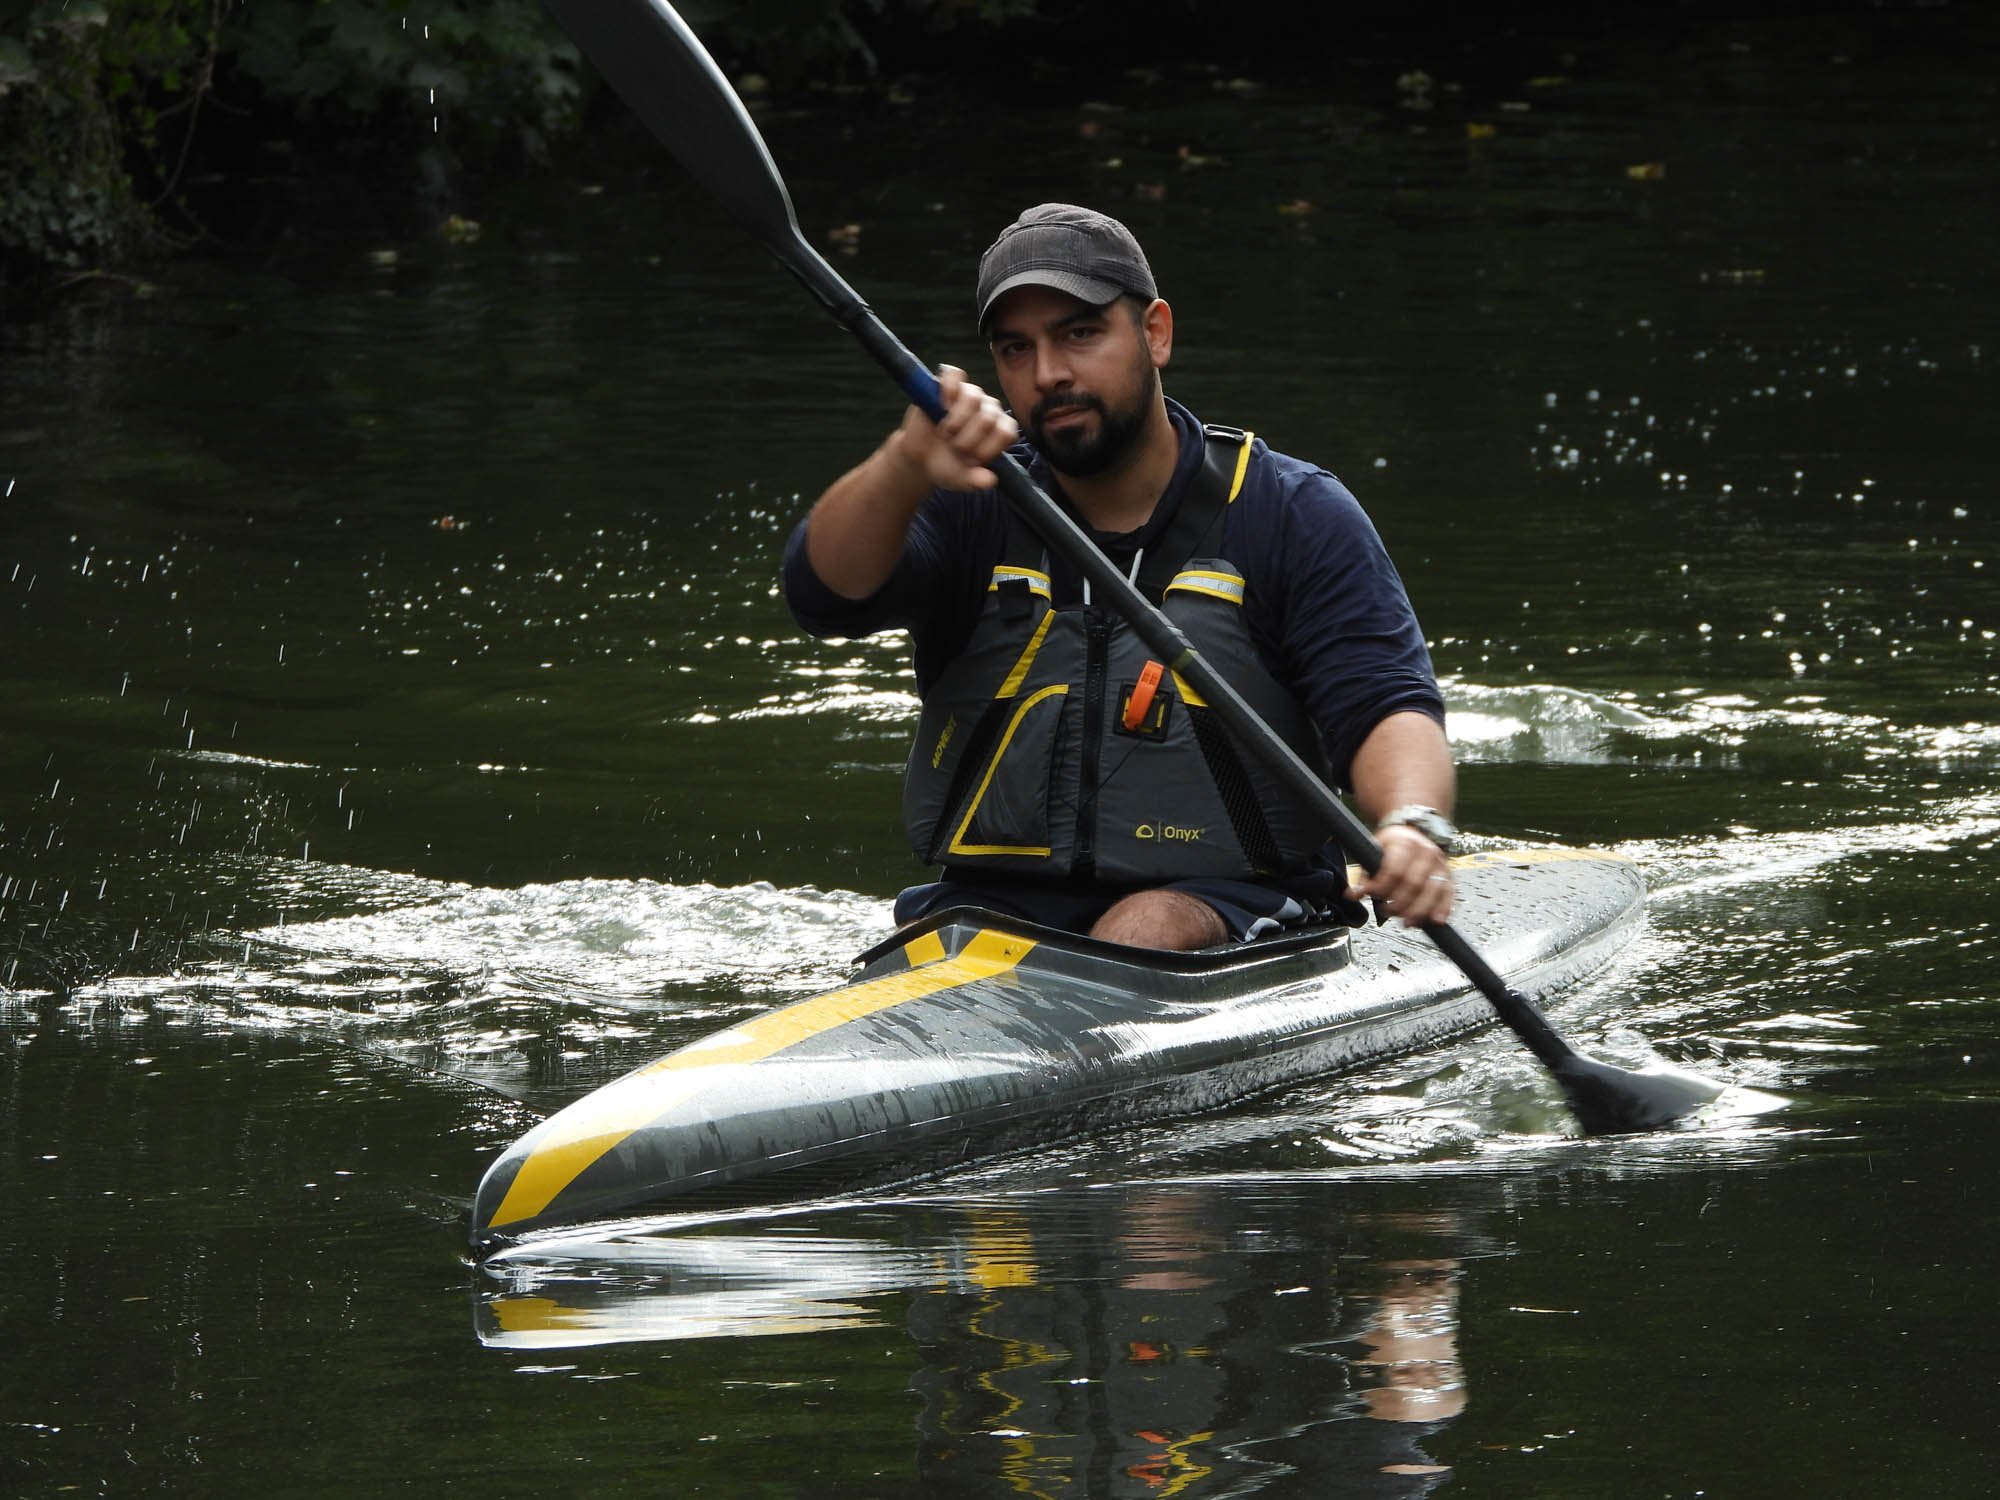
(972,1033)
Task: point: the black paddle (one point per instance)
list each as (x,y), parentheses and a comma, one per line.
(660,68)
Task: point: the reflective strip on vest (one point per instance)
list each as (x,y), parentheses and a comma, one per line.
(1224,586)
(1038,583)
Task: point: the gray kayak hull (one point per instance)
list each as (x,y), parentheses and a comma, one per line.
(975,1033)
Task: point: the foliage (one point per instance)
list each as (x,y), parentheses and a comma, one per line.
(102,106)
(64,195)
(498,63)
(105,107)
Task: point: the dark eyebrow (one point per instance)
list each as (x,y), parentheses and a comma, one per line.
(1081,315)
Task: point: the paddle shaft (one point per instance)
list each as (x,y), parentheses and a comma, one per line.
(662,71)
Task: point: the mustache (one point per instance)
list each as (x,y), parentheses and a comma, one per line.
(1048,406)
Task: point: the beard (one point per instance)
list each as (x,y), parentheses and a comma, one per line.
(1083,452)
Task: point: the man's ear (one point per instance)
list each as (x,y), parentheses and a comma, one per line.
(1157,323)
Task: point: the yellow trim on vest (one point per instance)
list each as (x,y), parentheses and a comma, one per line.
(1020,673)
(958,844)
(600,1122)
(1188,695)
(1224,586)
(1242,467)
(944,738)
(1038,582)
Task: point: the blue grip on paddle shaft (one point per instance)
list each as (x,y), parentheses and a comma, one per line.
(922,387)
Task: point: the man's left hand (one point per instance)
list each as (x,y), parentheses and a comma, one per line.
(1414,882)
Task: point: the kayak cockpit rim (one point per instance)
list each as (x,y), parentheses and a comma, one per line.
(945,932)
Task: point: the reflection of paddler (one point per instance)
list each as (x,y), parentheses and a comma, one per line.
(1076,1364)
(1412,1339)
(1140,1350)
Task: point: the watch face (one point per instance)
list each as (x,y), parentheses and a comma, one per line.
(1432,824)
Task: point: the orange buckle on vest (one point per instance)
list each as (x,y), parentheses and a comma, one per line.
(1141,702)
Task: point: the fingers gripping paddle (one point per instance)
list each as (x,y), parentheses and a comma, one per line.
(662,71)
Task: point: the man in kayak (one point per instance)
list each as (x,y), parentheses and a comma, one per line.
(1058,773)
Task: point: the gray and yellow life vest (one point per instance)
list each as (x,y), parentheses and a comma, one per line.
(1054,744)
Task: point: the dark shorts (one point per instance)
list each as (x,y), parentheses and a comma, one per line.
(1249,908)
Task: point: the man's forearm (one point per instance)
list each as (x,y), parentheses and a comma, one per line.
(856,531)
(1405,759)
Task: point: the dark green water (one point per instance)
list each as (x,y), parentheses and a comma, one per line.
(402,737)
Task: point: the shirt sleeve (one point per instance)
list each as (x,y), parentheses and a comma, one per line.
(1335,622)
(934,593)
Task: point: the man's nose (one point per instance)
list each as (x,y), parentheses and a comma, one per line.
(1051,369)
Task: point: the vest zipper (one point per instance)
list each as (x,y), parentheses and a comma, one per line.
(1097,639)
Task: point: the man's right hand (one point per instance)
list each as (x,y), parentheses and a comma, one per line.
(858,526)
(954,452)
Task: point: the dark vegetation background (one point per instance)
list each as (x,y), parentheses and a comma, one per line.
(136,129)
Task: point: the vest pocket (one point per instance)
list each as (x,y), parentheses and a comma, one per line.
(1008,810)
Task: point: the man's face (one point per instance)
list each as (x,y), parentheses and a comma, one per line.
(1082,380)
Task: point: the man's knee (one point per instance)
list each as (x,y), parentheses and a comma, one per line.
(1161,919)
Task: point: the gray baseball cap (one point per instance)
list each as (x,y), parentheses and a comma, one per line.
(1075,250)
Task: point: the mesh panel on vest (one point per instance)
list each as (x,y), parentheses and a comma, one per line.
(1239,797)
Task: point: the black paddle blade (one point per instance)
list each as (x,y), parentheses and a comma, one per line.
(1618,1101)
(661,70)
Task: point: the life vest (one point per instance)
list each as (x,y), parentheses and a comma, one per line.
(1055,745)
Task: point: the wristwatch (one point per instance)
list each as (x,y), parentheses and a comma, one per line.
(1428,821)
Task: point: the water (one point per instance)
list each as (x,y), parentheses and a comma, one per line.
(403,737)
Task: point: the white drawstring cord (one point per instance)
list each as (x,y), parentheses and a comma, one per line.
(1131,575)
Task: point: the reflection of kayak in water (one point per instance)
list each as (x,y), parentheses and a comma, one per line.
(973,1033)
(1191,1338)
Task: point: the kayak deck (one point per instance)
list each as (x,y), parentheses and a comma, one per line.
(973,1033)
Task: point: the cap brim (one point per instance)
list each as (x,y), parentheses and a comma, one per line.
(1084,288)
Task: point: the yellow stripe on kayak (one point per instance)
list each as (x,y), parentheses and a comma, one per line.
(597,1123)
(1492,858)
(535,1315)
(1533,857)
